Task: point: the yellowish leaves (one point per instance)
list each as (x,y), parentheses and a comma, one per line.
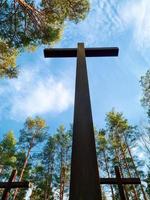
(117,120)
(7,55)
(10,137)
(40,123)
(31,48)
(37,122)
(30,123)
(7,59)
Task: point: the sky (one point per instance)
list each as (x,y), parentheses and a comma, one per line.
(45,87)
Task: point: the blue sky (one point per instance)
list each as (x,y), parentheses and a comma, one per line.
(45,87)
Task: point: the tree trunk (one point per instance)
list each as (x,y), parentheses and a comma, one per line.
(35,15)
(22,171)
(127,167)
(108,174)
(135,168)
(61,192)
(49,185)
(121,172)
(62,183)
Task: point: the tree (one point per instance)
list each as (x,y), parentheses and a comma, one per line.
(20,158)
(33,133)
(122,135)
(8,61)
(144,131)
(145,84)
(102,151)
(29,24)
(7,154)
(63,155)
(51,174)
(43,173)
(24,24)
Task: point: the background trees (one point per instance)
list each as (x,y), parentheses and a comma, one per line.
(144,131)
(115,146)
(33,133)
(145,84)
(48,166)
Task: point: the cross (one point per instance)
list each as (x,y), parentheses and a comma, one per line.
(10,184)
(120,182)
(84,181)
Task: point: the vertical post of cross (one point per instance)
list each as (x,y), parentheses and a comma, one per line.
(84,184)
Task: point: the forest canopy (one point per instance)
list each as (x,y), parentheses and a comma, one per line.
(26,25)
(48,167)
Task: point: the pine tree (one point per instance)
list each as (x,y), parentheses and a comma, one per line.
(20,158)
(144,131)
(24,25)
(43,173)
(63,145)
(145,84)
(7,154)
(33,133)
(102,151)
(118,128)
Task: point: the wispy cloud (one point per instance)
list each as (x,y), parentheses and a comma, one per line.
(32,94)
(136,15)
(109,18)
(102,21)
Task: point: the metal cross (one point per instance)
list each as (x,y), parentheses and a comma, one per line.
(84,182)
(120,182)
(10,185)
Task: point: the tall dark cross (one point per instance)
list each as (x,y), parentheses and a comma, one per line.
(84,182)
(11,184)
(120,182)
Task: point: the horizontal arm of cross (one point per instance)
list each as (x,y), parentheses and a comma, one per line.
(24,184)
(89,52)
(120,181)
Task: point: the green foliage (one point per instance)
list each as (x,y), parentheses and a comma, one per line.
(144,132)
(51,176)
(101,140)
(7,153)
(115,146)
(63,156)
(20,159)
(8,60)
(60,10)
(43,174)
(49,167)
(25,26)
(34,132)
(115,120)
(145,84)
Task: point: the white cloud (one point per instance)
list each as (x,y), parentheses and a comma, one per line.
(32,94)
(136,14)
